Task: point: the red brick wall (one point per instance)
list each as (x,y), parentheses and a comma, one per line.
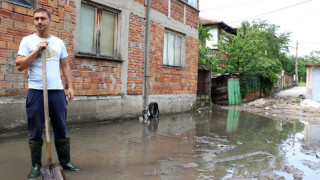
(160,6)
(192,17)
(100,77)
(191,74)
(140,1)
(158,81)
(96,77)
(177,10)
(171,80)
(288,80)
(17,22)
(251,96)
(136,55)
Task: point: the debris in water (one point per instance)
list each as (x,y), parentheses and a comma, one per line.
(190,165)
(239,143)
(242,156)
(74,130)
(222,145)
(174,117)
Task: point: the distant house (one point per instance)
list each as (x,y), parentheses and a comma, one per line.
(217,93)
(313,81)
(216,28)
(285,81)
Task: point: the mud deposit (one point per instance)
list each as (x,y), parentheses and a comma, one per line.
(281,108)
(202,145)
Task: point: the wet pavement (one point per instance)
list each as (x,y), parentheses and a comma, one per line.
(293,92)
(205,144)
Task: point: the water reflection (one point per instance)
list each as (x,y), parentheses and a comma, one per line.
(312,133)
(232,120)
(153,124)
(207,144)
(238,144)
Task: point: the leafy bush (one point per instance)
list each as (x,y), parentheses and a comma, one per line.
(249,84)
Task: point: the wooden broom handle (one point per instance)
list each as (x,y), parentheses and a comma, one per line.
(45,102)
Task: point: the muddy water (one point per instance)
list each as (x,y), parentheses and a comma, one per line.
(209,144)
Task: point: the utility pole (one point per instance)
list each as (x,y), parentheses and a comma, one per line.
(296,79)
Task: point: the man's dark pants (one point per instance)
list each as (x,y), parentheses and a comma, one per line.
(57,113)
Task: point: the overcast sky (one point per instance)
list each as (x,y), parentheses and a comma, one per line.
(300,17)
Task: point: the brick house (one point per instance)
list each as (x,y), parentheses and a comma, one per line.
(107,41)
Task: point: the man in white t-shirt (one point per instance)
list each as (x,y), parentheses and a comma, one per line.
(29,56)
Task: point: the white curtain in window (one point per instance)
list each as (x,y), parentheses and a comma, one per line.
(178,51)
(172,50)
(171,46)
(107,33)
(165,48)
(87,25)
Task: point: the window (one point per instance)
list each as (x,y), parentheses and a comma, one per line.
(213,41)
(193,3)
(173,49)
(98,31)
(225,39)
(25,3)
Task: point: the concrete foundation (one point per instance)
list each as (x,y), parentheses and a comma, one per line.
(84,109)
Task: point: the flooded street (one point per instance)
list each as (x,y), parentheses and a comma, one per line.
(209,144)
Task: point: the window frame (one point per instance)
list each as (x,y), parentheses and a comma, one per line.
(97,33)
(32,3)
(182,51)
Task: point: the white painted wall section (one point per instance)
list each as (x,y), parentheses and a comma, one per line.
(316,84)
(214,39)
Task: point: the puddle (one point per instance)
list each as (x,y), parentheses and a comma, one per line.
(240,145)
(210,144)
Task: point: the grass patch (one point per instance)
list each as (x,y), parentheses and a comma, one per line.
(302,83)
(174,117)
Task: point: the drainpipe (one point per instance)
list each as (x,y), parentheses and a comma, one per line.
(146,57)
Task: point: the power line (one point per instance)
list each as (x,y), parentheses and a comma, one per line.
(272,11)
(306,15)
(227,6)
(310,42)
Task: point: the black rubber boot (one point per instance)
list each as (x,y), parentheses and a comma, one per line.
(36,151)
(63,151)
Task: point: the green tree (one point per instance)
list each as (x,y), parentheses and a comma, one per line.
(314,57)
(288,63)
(255,50)
(204,34)
(205,56)
(302,70)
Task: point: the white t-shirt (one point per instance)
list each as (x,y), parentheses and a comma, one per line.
(56,51)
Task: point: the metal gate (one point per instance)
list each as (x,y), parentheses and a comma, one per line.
(204,87)
(234,95)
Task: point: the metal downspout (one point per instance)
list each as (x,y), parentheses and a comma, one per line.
(146,57)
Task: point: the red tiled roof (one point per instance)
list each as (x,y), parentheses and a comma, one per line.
(210,22)
(205,21)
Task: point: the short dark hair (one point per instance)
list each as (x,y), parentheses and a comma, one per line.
(42,10)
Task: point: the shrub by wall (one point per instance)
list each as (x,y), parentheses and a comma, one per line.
(249,84)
